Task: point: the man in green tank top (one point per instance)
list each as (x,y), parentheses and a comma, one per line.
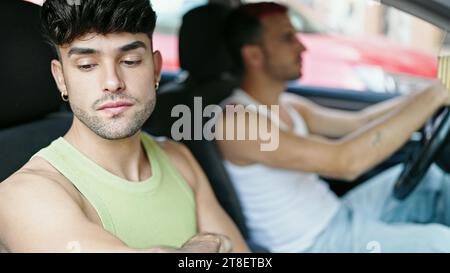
(106,186)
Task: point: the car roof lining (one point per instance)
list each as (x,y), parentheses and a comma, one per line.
(435,12)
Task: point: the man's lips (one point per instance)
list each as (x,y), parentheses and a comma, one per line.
(116,104)
(115,108)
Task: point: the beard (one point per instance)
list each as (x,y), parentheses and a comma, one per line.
(283,72)
(116,127)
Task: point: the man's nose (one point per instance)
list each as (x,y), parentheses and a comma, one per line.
(113,81)
(301,46)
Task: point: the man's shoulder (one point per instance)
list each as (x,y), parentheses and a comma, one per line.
(36,175)
(34,170)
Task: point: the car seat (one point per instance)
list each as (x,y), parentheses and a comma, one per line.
(29,95)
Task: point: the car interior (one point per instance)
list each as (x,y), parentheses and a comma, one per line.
(33,112)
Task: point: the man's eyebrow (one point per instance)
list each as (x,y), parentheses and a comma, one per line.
(90,51)
(81,51)
(132,46)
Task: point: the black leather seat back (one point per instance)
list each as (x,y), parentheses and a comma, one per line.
(19,143)
(202,50)
(27,87)
(28,93)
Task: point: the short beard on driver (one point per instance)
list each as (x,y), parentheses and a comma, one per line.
(276,71)
(281,73)
(109,130)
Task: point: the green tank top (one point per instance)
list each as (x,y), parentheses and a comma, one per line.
(159,211)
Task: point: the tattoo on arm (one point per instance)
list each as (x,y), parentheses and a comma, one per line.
(376,139)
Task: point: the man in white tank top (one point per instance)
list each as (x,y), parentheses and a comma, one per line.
(286,205)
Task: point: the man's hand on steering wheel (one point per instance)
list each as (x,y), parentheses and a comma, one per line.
(416,167)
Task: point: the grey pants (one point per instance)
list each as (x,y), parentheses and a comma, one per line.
(372,220)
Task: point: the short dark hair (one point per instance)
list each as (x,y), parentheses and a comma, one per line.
(243,26)
(63,21)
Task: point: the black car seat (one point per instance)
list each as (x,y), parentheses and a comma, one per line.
(28,93)
(206,62)
(26,85)
(204,57)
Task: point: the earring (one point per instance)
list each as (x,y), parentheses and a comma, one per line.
(156,86)
(64,97)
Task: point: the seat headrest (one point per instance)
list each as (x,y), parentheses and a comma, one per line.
(28,91)
(202,49)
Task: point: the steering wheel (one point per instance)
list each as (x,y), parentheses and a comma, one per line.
(417,166)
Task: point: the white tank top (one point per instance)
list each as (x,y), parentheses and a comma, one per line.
(285,210)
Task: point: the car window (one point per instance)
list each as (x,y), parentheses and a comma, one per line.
(364,45)
(359,45)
